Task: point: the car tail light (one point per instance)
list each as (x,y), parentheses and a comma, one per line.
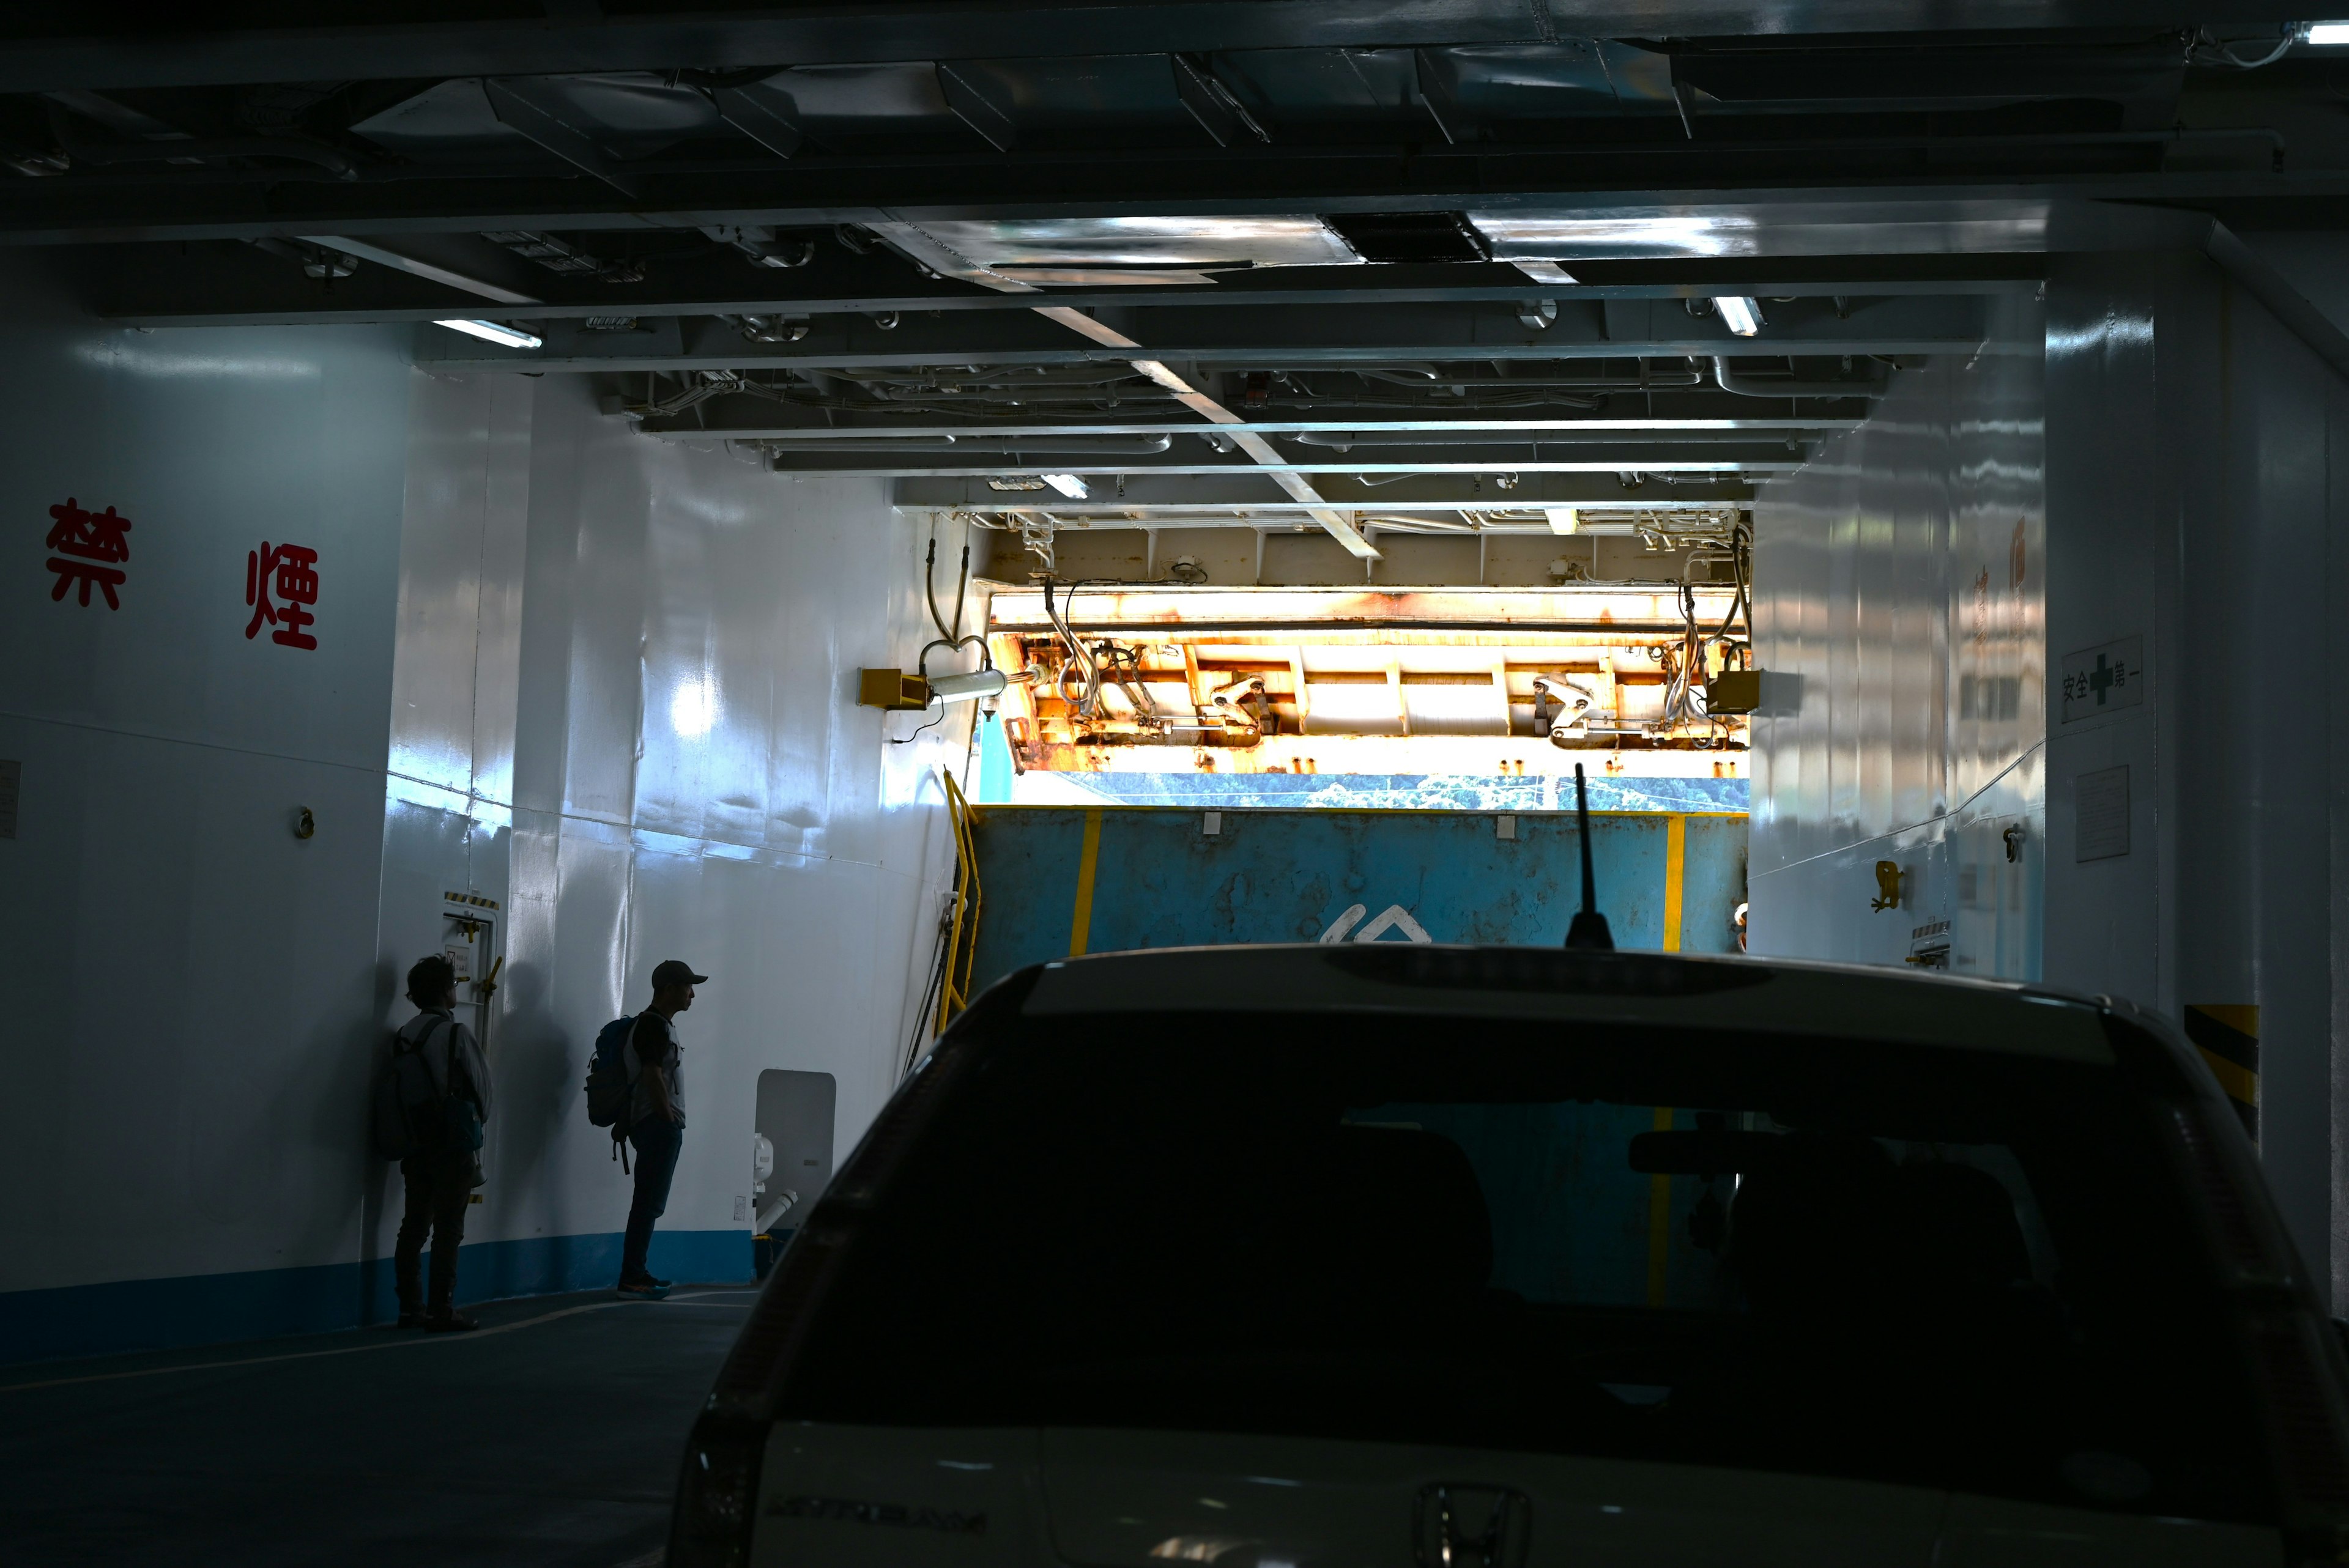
(718,1495)
(2251,1254)
(2309,1439)
(2302,1385)
(2294,1356)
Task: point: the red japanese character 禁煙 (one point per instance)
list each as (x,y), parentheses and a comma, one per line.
(89,538)
(296,571)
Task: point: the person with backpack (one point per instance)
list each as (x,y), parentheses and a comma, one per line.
(430,1116)
(655,1117)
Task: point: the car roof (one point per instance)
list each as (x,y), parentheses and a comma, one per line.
(1670,990)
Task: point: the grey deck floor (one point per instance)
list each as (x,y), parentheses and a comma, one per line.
(553,1442)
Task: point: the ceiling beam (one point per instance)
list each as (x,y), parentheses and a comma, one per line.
(166,56)
(1290,337)
(1203,403)
(756,419)
(1078,175)
(228,284)
(1197,458)
(1205,500)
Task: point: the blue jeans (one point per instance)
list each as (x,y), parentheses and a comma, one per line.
(658,1142)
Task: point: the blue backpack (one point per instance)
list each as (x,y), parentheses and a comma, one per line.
(609,1092)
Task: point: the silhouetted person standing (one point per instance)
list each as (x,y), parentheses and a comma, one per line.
(656,1117)
(445,1166)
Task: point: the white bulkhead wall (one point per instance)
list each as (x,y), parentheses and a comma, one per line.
(2189,835)
(1899,584)
(194,992)
(606,682)
(2198,491)
(626,710)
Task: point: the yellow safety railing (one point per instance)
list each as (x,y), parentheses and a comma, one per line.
(962,932)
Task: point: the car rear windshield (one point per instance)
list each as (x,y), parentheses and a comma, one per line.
(1953,1268)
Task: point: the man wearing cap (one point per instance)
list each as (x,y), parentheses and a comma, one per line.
(656,1117)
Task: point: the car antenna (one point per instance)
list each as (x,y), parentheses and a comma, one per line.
(1590,927)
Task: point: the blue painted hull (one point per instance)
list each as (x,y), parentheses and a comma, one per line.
(1159,879)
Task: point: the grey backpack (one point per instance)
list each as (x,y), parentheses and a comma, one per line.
(410,1114)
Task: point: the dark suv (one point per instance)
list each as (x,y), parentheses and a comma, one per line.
(1279,1257)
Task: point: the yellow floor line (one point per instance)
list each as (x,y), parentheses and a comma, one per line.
(420,1338)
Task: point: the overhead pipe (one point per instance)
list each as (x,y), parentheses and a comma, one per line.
(977,445)
(1347,440)
(1878,383)
(1430,379)
(1468,435)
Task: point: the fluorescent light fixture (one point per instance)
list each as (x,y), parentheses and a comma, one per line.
(1560,238)
(966,688)
(1066,484)
(493,332)
(2328,34)
(1108,277)
(1563,519)
(1139,242)
(1739,314)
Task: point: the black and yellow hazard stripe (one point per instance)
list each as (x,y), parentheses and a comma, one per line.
(2228,1035)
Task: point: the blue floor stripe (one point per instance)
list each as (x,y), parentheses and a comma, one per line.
(208,1309)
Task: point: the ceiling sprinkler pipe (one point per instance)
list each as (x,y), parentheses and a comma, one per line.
(1875,384)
